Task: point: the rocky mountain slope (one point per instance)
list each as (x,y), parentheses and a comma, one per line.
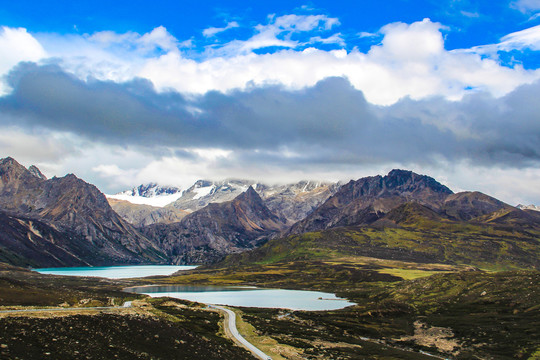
(142,215)
(295,201)
(79,213)
(217,229)
(31,243)
(365,200)
(204,192)
(469,205)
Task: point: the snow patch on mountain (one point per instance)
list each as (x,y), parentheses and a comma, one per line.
(150,194)
(203,191)
(528,207)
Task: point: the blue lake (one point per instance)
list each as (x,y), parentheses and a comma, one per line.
(116,272)
(247,296)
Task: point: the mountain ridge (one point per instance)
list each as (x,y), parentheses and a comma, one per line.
(78,211)
(365,200)
(208,234)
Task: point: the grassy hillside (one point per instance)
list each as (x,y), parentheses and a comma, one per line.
(472,315)
(412,233)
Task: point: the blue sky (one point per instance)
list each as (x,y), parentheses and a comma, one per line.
(128,92)
(469,23)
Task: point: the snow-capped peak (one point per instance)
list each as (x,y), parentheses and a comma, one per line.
(528,207)
(150,194)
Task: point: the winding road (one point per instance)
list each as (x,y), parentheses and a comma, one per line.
(230,322)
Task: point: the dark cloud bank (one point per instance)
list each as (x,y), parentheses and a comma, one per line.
(330,123)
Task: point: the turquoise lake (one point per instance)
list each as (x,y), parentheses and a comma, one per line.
(248,297)
(117,272)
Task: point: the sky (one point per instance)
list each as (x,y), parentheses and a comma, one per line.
(123,93)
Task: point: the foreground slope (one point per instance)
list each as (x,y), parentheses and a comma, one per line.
(75,218)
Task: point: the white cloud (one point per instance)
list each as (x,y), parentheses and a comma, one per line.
(34,147)
(157,39)
(410,60)
(17,45)
(524,39)
(365,34)
(213,31)
(278,32)
(526,5)
(333,39)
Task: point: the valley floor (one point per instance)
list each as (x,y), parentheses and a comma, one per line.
(403,309)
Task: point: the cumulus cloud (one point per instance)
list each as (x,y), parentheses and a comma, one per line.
(278,32)
(157,39)
(525,39)
(329,123)
(411,60)
(17,45)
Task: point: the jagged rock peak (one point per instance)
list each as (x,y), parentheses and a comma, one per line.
(36,172)
(11,172)
(8,160)
(249,194)
(10,164)
(398,177)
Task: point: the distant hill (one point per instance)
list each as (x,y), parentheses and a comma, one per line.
(74,217)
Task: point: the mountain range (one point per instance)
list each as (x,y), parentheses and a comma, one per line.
(409,217)
(402,215)
(290,201)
